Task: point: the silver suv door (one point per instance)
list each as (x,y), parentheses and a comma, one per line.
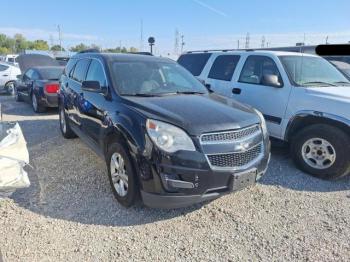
(221,72)
(261,85)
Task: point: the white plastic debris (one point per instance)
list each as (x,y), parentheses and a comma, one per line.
(14,157)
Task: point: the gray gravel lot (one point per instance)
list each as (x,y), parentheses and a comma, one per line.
(69,214)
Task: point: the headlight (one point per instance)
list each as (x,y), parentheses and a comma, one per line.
(262,120)
(168,137)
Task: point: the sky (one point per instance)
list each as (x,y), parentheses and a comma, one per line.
(205,24)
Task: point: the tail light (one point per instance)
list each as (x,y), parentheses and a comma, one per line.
(52,88)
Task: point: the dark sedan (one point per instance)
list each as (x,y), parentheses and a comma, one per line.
(39,83)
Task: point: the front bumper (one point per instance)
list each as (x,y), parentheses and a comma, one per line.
(197,184)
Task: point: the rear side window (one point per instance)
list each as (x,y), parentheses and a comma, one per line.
(70,65)
(80,70)
(35,75)
(194,62)
(96,73)
(223,67)
(3,68)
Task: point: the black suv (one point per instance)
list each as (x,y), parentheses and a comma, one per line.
(164,136)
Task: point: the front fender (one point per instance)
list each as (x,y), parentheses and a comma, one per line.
(306,116)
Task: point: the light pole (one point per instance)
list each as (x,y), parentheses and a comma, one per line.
(151,41)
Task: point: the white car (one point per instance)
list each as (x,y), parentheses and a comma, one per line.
(8,77)
(11,59)
(304,99)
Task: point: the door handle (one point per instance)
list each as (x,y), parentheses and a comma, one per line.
(236,91)
(5,75)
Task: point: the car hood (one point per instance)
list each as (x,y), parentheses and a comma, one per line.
(27,61)
(331,92)
(196,114)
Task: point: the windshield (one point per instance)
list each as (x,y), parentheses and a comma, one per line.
(51,73)
(312,71)
(154,78)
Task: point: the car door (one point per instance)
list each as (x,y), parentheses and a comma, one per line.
(5,74)
(220,74)
(251,88)
(94,103)
(24,84)
(74,91)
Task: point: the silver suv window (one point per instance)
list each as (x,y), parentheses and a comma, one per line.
(255,67)
(223,67)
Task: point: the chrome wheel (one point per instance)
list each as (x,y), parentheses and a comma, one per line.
(119,175)
(10,87)
(34,103)
(318,153)
(63,121)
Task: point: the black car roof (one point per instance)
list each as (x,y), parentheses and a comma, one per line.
(123,57)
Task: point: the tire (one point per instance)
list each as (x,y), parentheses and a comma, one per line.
(130,195)
(18,97)
(322,151)
(65,128)
(35,105)
(10,88)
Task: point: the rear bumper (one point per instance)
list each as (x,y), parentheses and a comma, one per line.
(49,100)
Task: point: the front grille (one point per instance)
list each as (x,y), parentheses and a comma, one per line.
(236,159)
(228,136)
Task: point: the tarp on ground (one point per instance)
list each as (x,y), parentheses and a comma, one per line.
(14,157)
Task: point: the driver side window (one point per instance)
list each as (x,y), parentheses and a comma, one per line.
(256,67)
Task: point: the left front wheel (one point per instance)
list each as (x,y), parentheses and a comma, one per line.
(122,175)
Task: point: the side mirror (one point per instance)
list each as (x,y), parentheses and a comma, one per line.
(271,80)
(92,86)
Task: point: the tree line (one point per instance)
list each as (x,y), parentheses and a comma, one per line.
(19,43)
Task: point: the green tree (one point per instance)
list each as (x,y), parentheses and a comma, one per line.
(4,50)
(79,48)
(133,50)
(39,45)
(20,43)
(57,48)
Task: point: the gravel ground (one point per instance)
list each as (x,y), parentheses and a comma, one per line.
(69,214)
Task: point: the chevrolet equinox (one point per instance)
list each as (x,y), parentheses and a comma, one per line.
(165,138)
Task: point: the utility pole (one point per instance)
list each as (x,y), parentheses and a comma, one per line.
(327,40)
(176,46)
(59,35)
(51,41)
(238,44)
(182,43)
(263,42)
(141,36)
(247,41)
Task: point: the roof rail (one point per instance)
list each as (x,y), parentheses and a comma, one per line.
(218,50)
(90,50)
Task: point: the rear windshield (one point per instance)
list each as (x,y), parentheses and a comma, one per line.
(51,73)
(194,62)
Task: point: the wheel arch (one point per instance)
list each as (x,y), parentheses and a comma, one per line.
(307,118)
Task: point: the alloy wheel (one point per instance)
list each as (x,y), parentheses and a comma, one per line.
(63,121)
(119,175)
(34,102)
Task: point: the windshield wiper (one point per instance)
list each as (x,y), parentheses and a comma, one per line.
(317,83)
(141,95)
(342,83)
(185,93)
